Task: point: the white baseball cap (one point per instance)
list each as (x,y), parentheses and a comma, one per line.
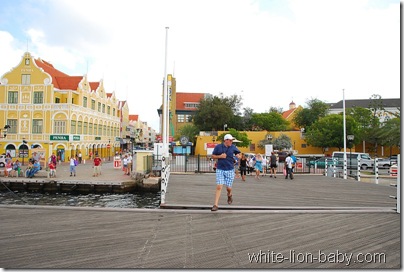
(228,137)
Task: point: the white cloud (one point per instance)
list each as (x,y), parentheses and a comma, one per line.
(270,52)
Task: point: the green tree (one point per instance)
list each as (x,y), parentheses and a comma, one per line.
(328,131)
(214,111)
(188,130)
(305,117)
(363,118)
(282,142)
(240,136)
(372,134)
(272,121)
(390,132)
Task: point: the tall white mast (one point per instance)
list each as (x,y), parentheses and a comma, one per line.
(165,104)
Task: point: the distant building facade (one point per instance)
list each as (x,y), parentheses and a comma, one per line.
(61,114)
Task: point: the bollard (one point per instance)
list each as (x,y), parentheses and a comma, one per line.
(376,171)
(359,168)
(84,161)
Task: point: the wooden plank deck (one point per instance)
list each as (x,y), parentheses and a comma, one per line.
(89,238)
(303,191)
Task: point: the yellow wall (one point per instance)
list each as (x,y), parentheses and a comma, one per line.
(257,136)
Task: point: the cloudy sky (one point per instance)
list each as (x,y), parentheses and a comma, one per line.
(270,52)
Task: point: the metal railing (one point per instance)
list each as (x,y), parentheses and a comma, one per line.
(204,164)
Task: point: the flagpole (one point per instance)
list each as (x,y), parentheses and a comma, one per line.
(165,165)
(165,103)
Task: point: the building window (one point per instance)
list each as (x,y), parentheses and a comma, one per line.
(59,127)
(109,110)
(73,127)
(38,97)
(188,118)
(13,126)
(113,112)
(99,130)
(191,105)
(252,147)
(104,130)
(37,126)
(12,97)
(85,128)
(25,79)
(92,104)
(90,128)
(180,118)
(95,129)
(99,106)
(103,108)
(27,61)
(57,100)
(85,102)
(79,127)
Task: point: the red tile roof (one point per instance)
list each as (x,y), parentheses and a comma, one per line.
(94,85)
(133,117)
(61,80)
(52,71)
(188,97)
(288,113)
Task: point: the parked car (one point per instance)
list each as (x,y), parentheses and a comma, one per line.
(384,163)
(320,162)
(393,159)
(352,159)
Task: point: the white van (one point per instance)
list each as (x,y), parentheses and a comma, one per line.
(352,159)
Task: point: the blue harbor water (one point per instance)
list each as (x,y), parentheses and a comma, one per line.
(135,200)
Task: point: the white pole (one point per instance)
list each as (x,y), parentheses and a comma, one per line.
(165,171)
(344,125)
(359,168)
(165,103)
(376,166)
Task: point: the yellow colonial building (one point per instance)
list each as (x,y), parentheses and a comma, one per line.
(47,109)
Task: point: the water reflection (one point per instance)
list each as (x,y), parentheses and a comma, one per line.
(136,200)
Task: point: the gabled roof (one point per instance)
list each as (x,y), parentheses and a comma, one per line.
(94,85)
(182,98)
(52,71)
(61,80)
(68,82)
(365,103)
(288,113)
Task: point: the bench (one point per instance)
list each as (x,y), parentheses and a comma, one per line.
(40,174)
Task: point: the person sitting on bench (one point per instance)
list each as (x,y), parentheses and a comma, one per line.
(16,169)
(35,168)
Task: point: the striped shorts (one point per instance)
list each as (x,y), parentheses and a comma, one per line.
(225,177)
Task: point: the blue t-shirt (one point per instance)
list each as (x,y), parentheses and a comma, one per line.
(228,162)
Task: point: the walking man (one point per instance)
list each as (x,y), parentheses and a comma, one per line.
(224,154)
(288,167)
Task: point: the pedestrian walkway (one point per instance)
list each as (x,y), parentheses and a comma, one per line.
(281,235)
(84,172)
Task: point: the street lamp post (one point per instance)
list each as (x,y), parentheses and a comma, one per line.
(109,149)
(350,139)
(23,149)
